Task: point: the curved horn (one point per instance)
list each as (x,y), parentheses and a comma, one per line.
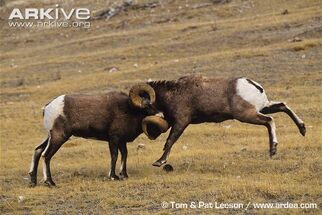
(141,95)
(153,126)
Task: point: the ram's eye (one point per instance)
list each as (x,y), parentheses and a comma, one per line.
(145,101)
(144,95)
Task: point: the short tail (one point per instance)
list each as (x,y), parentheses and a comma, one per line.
(43,108)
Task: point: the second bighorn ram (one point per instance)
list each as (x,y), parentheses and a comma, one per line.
(196,99)
(110,117)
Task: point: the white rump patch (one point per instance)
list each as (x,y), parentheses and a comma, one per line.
(52,111)
(251,94)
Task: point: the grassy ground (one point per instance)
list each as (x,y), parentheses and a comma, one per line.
(223,163)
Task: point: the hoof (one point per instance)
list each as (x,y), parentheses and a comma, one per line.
(159,163)
(114,178)
(33,179)
(272,153)
(32,184)
(302,129)
(50,183)
(123,176)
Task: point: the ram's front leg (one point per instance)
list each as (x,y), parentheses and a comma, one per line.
(176,131)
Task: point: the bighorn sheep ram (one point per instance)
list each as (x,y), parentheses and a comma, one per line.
(196,99)
(111,117)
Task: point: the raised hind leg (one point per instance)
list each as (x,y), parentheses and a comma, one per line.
(253,117)
(35,161)
(274,107)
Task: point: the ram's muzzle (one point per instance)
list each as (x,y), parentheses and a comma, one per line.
(153,126)
(142,95)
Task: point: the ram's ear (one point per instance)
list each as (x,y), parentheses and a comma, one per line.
(154,126)
(142,95)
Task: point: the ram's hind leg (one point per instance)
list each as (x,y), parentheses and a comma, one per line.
(253,117)
(35,161)
(56,140)
(123,150)
(274,107)
(113,146)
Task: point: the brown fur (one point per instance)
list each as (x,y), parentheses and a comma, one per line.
(102,117)
(196,99)
(108,117)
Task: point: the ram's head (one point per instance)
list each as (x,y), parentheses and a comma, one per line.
(143,96)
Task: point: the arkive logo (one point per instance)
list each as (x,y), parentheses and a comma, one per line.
(49,13)
(56,17)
